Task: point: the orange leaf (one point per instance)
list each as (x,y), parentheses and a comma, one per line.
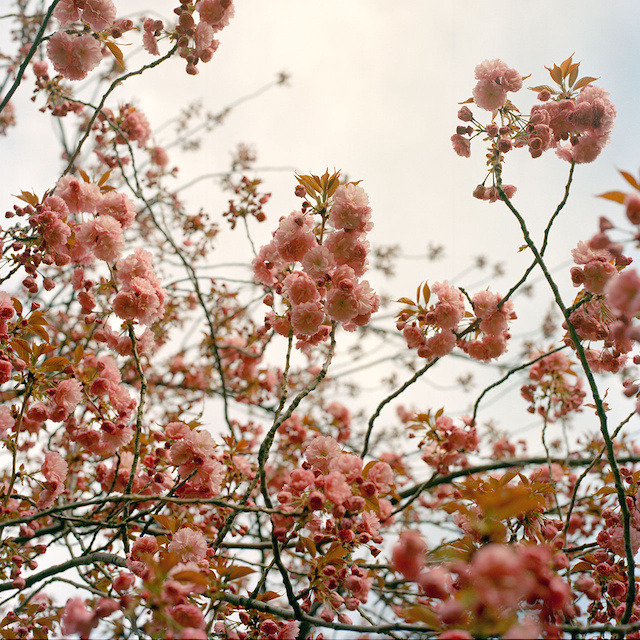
(424,614)
(195,577)
(583,82)
(630,179)
(55,364)
(616,196)
(165,521)
(235,573)
(117,53)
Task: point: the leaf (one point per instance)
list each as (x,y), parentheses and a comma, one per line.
(17,305)
(573,74)
(583,82)
(267,595)
(40,331)
(85,175)
(582,566)
(555,73)
(542,87)
(630,179)
(78,352)
(566,65)
(37,317)
(28,197)
(309,545)
(235,572)
(336,552)
(165,521)
(55,364)
(104,177)
(117,53)
(195,577)
(616,196)
(22,348)
(372,503)
(405,301)
(422,613)
(426,294)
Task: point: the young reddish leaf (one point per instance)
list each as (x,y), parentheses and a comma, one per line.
(85,175)
(168,523)
(55,364)
(309,545)
(405,301)
(195,577)
(17,305)
(40,331)
(267,595)
(573,74)
(235,573)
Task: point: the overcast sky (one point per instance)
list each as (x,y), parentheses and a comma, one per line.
(374,90)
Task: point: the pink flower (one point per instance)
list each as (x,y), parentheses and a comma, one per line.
(6,420)
(68,11)
(307,318)
(321,450)
(203,36)
(408,555)
(489,95)
(350,208)
(461,145)
(336,488)
(76,618)
(79,196)
(217,13)
(136,127)
(294,237)
(118,206)
(103,236)
(382,477)
(68,395)
(318,262)
(300,288)
(99,14)
(188,545)
(623,293)
(73,57)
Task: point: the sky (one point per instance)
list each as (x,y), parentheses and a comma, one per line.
(374,90)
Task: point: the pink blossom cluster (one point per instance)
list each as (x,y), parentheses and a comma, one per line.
(604,311)
(196,42)
(496,584)
(97,14)
(74,56)
(495,79)
(555,391)
(140,297)
(173,573)
(447,444)
(443,319)
(77,619)
(192,452)
(585,122)
(67,238)
(54,470)
(335,482)
(327,285)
